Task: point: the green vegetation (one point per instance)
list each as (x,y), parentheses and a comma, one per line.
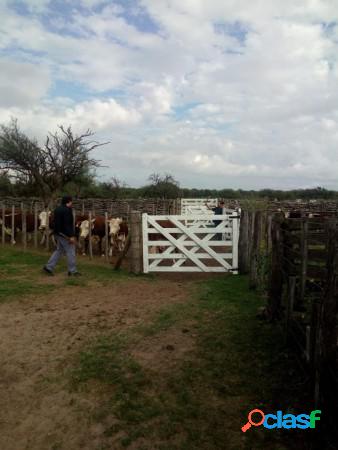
(18,274)
(195,400)
(238,364)
(21,274)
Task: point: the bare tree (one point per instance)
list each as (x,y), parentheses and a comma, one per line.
(63,158)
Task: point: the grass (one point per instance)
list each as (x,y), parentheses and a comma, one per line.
(238,364)
(21,274)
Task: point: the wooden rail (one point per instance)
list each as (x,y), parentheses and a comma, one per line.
(302,291)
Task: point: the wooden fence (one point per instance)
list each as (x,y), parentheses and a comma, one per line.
(123,207)
(295,263)
(114,207)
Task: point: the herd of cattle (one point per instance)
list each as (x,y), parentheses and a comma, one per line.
(84,228)
(97,229)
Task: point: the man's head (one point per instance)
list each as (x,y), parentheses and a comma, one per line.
(221,203)
(67,201)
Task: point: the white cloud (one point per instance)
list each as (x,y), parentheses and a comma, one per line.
(236,93)
(22,84)
(98,115)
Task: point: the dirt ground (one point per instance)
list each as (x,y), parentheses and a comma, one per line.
(39,337)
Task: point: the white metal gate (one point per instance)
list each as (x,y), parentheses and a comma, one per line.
(189,243)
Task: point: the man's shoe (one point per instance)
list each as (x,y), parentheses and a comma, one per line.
(74,274)
(48,271)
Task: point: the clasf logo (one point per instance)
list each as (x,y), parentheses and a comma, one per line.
(280,420)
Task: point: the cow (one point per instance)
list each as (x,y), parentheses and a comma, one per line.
(43,224)
(118,231)
(46,218)
(159,237)
(7,224)
(98,229)
(18,223)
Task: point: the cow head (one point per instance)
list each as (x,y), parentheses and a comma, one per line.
(43,219)
(8,230)
(114,227)
(84,228)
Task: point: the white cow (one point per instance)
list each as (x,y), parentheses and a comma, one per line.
(84,228)
(44,216)
(43,219)
(8,231)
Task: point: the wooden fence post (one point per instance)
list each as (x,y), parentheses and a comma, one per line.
(136,265)
(255,249)
(90,244)
(290,300)
(251,228)
(13,226)
(35,225)
(47,228)
(269,240)
(124,252)
(24,227)
(276,274)
(106,235)
(243,247)
(3,236)
(235,242)
(304,260)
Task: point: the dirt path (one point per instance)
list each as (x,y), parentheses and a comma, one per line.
(40,335)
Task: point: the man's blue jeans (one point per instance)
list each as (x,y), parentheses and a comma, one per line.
(63,247)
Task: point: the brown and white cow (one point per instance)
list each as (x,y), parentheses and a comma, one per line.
(46,218)
(98,229)
(18,223)
(159,237)
(118,232)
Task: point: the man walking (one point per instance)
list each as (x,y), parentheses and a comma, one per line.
(64,233)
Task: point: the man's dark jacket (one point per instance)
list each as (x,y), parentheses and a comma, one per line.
(64,221)
(217,211)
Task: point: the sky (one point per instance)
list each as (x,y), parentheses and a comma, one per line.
(219,93)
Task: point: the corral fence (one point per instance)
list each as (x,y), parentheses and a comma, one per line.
(294,262)
(16,211)
(157,206)
(98,206)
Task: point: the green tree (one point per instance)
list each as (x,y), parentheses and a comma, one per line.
(161,186)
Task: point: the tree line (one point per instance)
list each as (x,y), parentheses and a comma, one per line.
(63,164)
